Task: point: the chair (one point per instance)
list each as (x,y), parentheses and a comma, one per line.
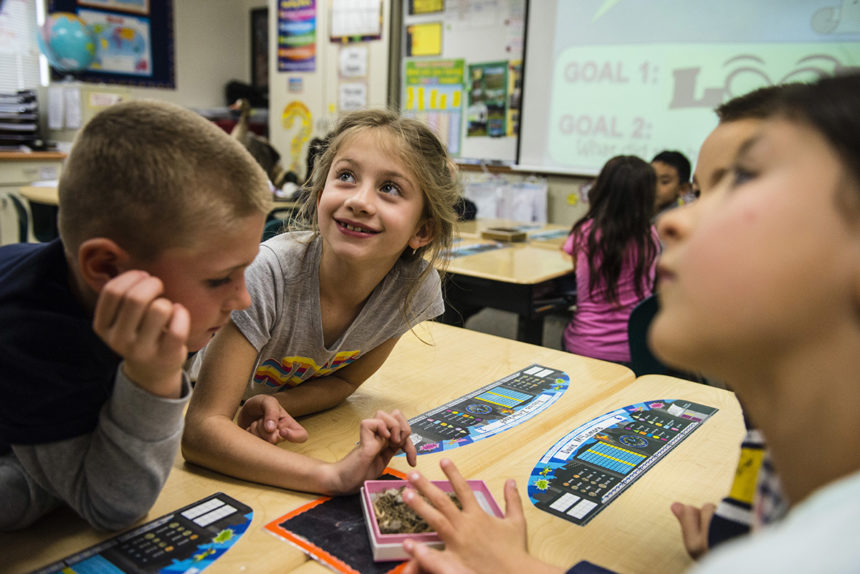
(642,360)
(23,217)
(279,220)
(44,221)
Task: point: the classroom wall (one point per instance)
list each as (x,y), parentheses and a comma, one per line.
(212,43)
(212,46)
(319,93)
(318,90)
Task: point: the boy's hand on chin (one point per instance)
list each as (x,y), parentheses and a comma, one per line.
(147,330)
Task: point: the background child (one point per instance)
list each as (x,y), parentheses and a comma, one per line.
(329,306)
(787,342)
(673,179)
(160,213)
(615,249)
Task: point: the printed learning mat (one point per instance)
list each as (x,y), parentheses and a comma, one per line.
(594,463)
(187,540)
(473,248)
(488,411)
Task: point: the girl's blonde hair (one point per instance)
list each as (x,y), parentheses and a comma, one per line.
(418,148)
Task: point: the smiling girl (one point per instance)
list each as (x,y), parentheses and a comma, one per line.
(329,304)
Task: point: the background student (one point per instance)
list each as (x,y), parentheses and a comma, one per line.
(673,180)
(614,247)
(787,214)
(160,213)
(328,307)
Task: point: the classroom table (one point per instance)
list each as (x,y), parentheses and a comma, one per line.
(537,233)
(44,201)
(429,367)
(45,194)
(518,277)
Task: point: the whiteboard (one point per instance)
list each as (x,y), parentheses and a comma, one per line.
(461,73)
(623,77)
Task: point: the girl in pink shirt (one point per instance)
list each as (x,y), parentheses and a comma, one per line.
(614,247)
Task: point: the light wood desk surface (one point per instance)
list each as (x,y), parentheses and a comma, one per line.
(520,263)
(635,532)
(40,194)
(536,232)
(473,228)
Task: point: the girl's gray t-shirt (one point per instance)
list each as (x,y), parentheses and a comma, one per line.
(284,321)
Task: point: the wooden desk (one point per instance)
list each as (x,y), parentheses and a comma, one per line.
(46,195)
(636,533)
(514,278)
(472,229)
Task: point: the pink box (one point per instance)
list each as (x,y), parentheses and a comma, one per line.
(388,547)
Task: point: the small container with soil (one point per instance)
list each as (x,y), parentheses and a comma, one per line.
(390,521)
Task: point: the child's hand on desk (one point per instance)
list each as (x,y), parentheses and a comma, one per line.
(694,523)
(147,330)
(265,417)
(475,542)
(380,438)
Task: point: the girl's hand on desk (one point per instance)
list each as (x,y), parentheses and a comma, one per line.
(380,438)
(475,542)
(398,431)
(264,416)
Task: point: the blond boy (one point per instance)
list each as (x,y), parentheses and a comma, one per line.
(160,214)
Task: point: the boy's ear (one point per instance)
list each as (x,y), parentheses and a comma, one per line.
(100,260)
(422,236)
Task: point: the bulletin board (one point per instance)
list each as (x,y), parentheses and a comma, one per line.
(461,73)
(134,41)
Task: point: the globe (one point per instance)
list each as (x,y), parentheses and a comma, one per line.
(67,42)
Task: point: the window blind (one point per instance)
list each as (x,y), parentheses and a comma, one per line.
(19,50)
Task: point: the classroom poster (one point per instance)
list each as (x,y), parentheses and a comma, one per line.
(424,39)
(137,6)
(515,90)
(134,47)
(487,112)
(425,6)
(297,23)
(434,94)
(124,43)
(356,20)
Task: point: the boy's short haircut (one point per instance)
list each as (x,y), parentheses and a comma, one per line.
(830,106)
(757,104)
(677,160)
(150,175)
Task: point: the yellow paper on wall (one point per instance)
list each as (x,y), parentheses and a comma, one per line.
(425,39)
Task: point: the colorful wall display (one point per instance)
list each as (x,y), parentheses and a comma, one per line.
(434,94)
(297,33)
(134,41)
